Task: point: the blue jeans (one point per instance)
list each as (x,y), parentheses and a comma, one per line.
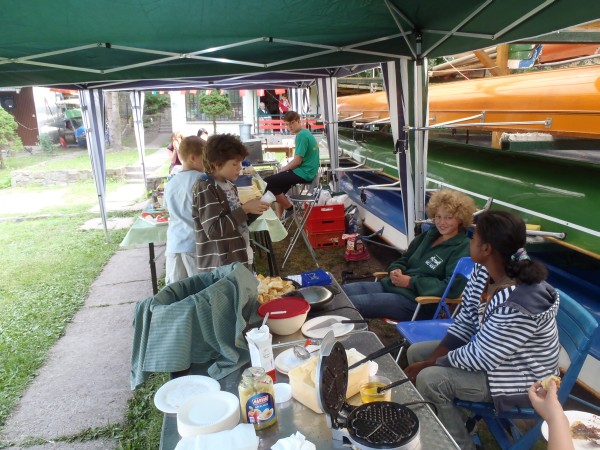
(373,302)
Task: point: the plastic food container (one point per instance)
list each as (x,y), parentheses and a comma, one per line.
(302,380)
(286,314)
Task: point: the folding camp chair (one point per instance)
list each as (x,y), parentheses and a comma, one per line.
(435,329)
(303,206)
(576,332)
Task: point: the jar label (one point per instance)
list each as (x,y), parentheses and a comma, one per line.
(260,408)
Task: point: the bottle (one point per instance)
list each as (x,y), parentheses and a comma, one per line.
(257,398)
(261,351)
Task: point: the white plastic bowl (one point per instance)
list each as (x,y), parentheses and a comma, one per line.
(287,314)
(207,413)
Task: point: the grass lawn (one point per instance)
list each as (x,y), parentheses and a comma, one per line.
(114,160)
(73,199)
(65,159)
(42,284)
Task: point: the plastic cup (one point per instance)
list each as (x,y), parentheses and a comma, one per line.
(368,390)
(268,197)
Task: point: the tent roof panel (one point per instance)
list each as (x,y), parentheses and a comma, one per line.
(299,34)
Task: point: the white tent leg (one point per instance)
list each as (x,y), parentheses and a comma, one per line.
(92,109)
(137,108)
(328,100)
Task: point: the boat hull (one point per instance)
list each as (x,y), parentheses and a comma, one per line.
(559,196)
(566,101)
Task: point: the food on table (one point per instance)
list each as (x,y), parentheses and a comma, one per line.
(270,288)
(580,430)
(156,217)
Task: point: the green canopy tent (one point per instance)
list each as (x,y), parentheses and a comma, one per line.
(110,44)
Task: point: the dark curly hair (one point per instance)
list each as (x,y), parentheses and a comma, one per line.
(505,232)
(221,148)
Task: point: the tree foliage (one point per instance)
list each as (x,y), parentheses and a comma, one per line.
(9,139)
(155,103)
(215,105)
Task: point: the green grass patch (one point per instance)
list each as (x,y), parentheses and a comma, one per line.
(76,198)
(143,423)
(114,160)
(49,267)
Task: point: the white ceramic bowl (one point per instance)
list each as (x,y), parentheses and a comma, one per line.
(287,314)
(207,413)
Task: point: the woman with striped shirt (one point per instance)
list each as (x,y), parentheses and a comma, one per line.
(504,337)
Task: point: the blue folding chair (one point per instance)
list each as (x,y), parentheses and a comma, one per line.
(576,330)
(435,329)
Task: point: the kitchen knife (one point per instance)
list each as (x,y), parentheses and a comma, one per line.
(328,323)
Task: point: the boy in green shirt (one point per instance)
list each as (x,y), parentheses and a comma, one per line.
(303,167)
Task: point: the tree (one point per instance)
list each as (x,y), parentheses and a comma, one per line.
(215,105)
(9,139)
(155,103)
(113,115)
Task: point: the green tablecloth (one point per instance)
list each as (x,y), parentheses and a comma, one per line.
(142,232)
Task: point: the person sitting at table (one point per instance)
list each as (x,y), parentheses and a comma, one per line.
(426,266)
(504,337)
(303,167)
(180,253)
(221,221)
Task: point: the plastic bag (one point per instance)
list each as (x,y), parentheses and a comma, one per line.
(353,222)
(356,250)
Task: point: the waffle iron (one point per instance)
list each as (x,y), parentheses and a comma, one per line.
(377,425)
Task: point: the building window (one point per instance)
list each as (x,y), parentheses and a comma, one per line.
(192,107)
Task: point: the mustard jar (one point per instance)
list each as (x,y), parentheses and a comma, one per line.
(257,398)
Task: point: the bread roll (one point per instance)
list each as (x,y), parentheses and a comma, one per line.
(546,381)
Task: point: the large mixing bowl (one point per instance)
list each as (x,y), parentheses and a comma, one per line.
(286,314)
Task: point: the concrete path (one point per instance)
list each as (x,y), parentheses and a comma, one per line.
(84,383)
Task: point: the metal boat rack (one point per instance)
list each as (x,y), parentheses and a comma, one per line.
(458,123)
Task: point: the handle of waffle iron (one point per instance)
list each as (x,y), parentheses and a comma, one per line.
(383,351)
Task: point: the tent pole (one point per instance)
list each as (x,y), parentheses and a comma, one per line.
(92,110)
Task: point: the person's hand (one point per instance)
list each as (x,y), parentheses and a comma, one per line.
(546,402)
(414,369)
(399,279)
(255,206)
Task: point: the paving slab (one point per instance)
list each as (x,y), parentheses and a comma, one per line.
(117,223)
(128,265)
(85,381)
(100,444)
(110,294)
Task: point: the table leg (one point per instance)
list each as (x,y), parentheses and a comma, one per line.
(152,263)
(273,269)
(262,241)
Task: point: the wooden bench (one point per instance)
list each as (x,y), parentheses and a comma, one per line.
(278,125)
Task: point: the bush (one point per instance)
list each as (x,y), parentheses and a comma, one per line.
(9,139)
(47,144)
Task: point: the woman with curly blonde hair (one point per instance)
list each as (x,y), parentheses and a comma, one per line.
(426,266)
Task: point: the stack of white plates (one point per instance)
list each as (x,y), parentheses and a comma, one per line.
(207,413)
(177,391)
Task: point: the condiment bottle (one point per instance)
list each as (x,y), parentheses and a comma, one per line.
(257,398)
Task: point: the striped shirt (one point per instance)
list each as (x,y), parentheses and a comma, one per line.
(219,240)
(514,338)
